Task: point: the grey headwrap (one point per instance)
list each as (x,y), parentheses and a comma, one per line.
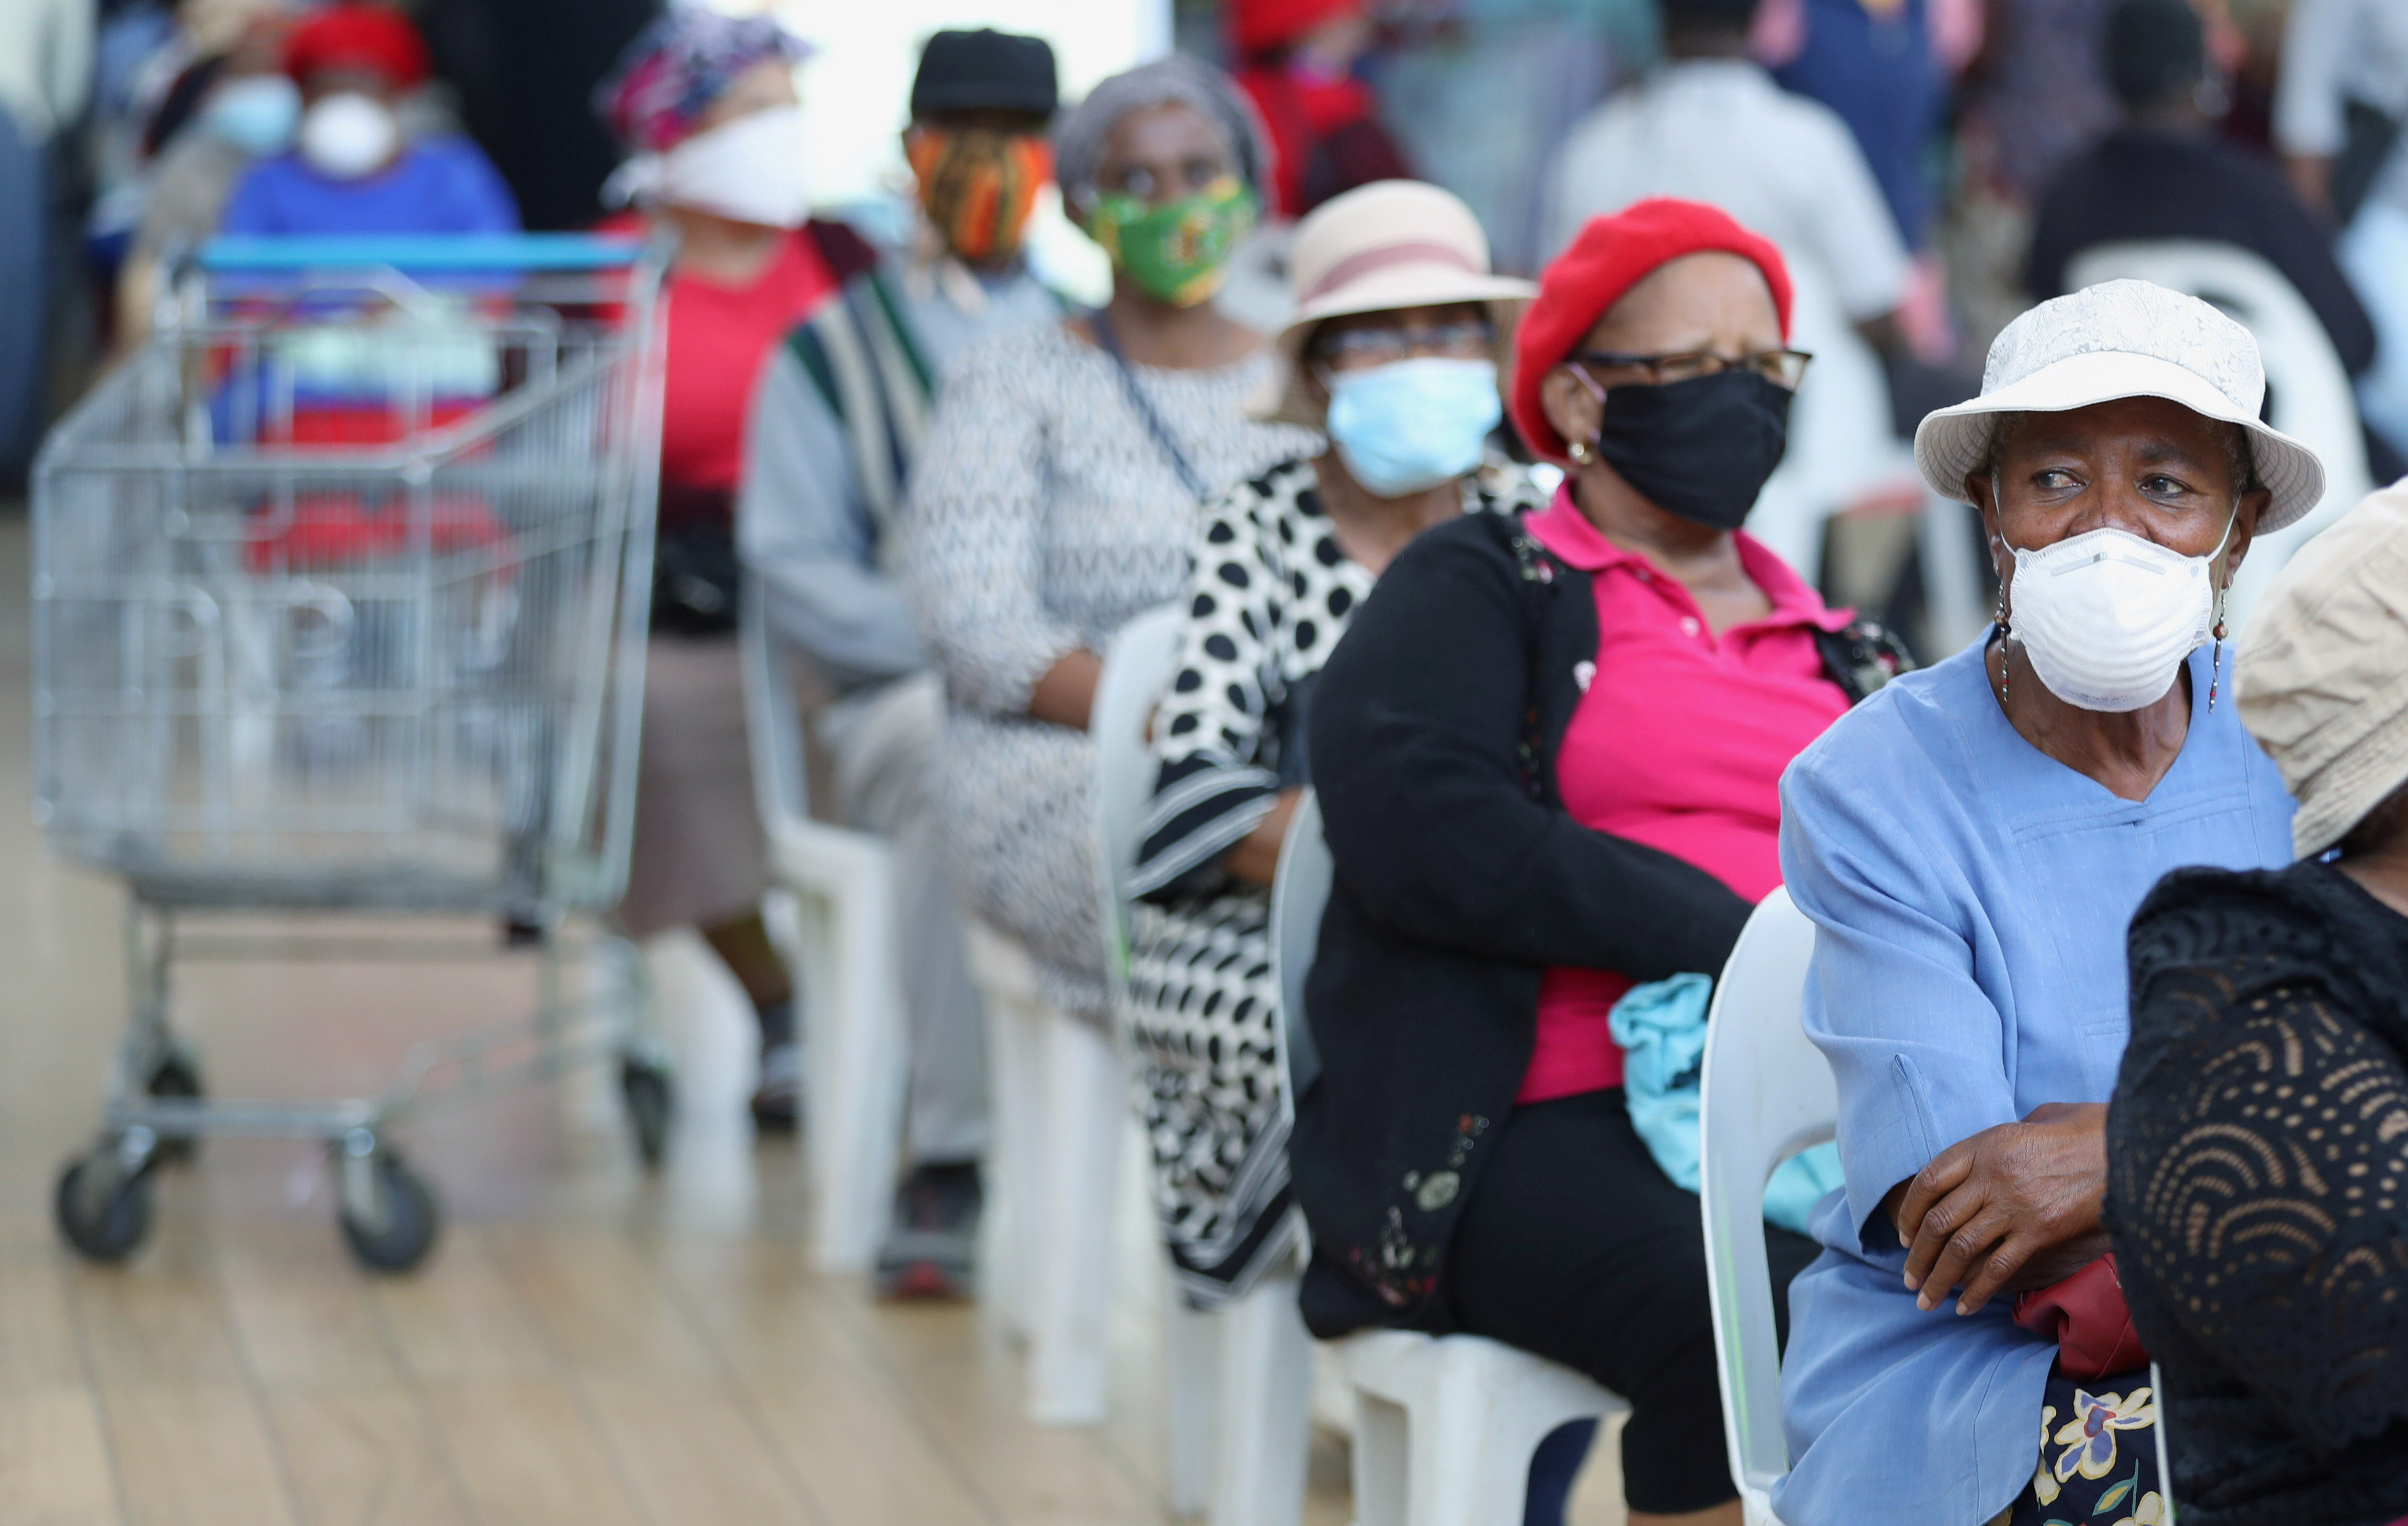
(1079,138)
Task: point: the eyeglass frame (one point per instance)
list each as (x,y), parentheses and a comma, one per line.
(1654,365)
(1419,342)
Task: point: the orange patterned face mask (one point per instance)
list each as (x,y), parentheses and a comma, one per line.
(978,186)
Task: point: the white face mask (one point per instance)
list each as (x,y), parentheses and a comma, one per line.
(2107,617)
(348,135)
(753,169)
(255,113)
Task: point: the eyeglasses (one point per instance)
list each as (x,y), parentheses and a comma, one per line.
(1350,350)
(1782,367)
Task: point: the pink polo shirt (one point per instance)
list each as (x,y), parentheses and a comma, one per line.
(1679,743)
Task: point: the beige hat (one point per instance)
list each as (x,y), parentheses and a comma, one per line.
(1387,245)
(2322,677)
(2123,340)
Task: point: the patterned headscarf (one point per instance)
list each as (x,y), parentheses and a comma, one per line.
(1079,137)
(677,65)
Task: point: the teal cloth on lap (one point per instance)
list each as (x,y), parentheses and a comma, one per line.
(1661,1027)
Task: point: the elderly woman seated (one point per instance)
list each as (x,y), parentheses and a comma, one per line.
(1547,754)
(2258,1149)
(1971,842)
(1393,349)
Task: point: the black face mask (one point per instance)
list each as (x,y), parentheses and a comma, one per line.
(1700,448)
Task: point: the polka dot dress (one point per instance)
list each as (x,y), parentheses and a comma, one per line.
(1271,594)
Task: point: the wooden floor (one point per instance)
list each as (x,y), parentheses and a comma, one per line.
(588,1346)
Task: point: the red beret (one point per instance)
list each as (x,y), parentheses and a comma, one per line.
(350,35)
(1258,26)
(1612,256)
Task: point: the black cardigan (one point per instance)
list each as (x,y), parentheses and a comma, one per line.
(1461,878)
(2255,1192)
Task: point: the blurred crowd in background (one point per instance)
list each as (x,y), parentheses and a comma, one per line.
(1999,135)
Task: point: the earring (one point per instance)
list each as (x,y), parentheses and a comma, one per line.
(2215,672)
(2006,669)
(1579,452)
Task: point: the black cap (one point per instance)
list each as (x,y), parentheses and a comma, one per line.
(2154,48)
(1708,15)
(985,71)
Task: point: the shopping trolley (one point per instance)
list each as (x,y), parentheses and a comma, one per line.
(340,589)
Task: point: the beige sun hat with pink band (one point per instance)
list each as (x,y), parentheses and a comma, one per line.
(1388,244)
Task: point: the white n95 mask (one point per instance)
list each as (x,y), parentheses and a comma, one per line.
(2107,618)
(348,135)
(753,169)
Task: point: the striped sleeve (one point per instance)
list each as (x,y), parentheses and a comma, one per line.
(1218,778)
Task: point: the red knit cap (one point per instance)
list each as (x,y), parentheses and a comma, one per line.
(355,35)
(1260,25)
(1612,256)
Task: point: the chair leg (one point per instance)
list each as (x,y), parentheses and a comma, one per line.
(1381,1461)
(1473,1468)
(1085,1113)
(1192,1384)
(858,1061)
(1266,1423)
(1015,1072)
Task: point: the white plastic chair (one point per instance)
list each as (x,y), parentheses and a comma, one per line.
(1766,1094)
(1842,448)
(1446,1426)
(1240,1379)
(1060,1109)
(851,996)
(2313,399)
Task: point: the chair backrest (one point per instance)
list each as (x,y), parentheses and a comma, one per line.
(2310,394)
(1140,661)
(1766,1094)
(1299,888)
(773,721)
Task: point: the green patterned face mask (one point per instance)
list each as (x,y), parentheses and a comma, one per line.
(1178,251)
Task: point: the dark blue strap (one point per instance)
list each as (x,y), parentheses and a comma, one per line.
(1145,409)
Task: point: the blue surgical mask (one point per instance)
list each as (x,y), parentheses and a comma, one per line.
(256,113)
(1412,425)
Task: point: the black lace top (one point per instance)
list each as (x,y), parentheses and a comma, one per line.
(2258,1191)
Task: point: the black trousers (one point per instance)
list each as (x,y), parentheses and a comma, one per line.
(1576,1247)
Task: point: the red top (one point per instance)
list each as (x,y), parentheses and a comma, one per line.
(1678,743)
(719,338)
(1299,113)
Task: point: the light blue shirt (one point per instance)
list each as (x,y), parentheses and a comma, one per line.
(1971,895)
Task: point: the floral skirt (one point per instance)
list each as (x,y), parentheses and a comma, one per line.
(2098,1456)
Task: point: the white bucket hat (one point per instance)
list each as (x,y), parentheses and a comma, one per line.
(2123,340)
(1388,244)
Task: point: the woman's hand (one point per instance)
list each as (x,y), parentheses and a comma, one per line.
(1254,857)
(2013,1208)
(1066,694)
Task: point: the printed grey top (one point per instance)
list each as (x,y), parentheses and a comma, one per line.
(1044,513)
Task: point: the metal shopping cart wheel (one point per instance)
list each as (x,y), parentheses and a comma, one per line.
(176,1076)
(652,1097)
(103,1203)
(386,1211)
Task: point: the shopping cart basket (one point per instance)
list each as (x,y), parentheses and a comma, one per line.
(341,587)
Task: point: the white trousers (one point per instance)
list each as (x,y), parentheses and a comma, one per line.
(883,743)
